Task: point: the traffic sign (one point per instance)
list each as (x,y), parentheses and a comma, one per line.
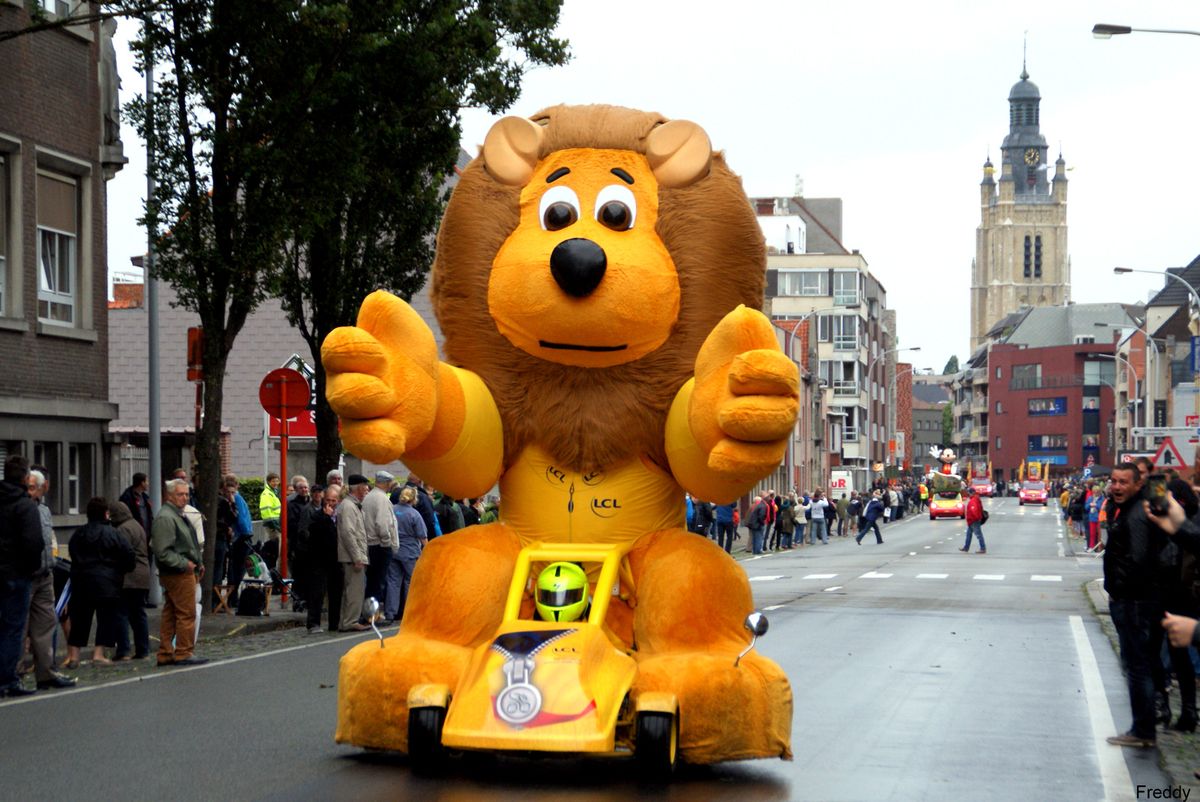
(1168,455)
(1087,473)
(1163,431)
(284,393)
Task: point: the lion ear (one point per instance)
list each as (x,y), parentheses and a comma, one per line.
(679,153)
(510,150)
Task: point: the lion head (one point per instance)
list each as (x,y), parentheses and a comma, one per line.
(583,258)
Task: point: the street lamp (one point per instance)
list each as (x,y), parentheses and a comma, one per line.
(789,454)
(1153,387)
(871,399)
(1103,30)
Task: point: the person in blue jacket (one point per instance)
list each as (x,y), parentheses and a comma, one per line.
(871,516)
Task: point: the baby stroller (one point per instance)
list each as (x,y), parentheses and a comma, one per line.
(252,594)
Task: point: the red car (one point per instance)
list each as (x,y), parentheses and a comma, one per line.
(983,487)
(1032,493)
(947,504)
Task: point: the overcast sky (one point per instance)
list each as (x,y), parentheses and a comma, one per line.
(892,107)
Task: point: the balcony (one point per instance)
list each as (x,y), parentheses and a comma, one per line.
(846,388)
(1041,382)
(978,406)
(850,434)
(845,297)
(845,342)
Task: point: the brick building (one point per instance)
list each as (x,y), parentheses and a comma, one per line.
(59,145)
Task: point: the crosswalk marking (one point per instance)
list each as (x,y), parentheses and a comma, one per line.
(932,576)
(1045,578)
(989,577)
(819,576)
(772,607)
(835,587)
(874,575)
(765,578)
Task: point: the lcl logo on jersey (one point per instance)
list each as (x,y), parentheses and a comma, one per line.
(606,507)
(555,476)
(594,478)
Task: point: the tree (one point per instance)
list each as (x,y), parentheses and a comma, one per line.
(951,365)
(372,92)
(947,425)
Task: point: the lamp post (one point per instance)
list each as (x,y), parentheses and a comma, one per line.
(789,454)
(1103,30)
(1152,388)
(1196,298)
(871,398)
(1113,386)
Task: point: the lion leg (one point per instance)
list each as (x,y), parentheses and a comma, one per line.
(692,600)
(455,602)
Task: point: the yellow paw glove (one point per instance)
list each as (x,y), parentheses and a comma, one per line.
(745,399)
(382,379)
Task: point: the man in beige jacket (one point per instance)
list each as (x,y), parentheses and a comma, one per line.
(379,518)
(352,553)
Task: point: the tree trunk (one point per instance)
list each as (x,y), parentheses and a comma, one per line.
(208,453)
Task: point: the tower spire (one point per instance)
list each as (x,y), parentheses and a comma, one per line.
(1024,57)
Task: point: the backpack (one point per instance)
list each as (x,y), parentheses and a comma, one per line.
(985,517)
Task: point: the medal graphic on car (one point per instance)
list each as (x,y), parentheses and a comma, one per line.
(520,701)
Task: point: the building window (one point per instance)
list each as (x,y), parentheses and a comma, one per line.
(1047,442)
(845,332)
(1096,372)
(804,282)
(57,222)
(998,446)
(999,408)
(1084,339)
(997,373)
(46,453)
(59,8)
(1027,377)
(1028,256)
(824,327)
(80,473)
(845,287)
(3,236)
(1048,406)
(1037,257)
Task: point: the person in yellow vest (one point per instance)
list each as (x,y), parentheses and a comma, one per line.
(924,496)
(268,503)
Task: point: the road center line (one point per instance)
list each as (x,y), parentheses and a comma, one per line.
(43,696)
(819,576)
(874,575)
(989,577)
(766,578)
(1113,771)
(932,576)
(1045,578)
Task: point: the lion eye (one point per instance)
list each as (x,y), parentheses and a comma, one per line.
(559,208)
(616,208)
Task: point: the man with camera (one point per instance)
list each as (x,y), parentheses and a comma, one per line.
(1133,580)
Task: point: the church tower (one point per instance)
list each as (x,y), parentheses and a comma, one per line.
(1021,243)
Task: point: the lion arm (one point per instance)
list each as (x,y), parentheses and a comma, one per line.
(697,472)
(464,452)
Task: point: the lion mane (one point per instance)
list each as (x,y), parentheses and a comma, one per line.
(592,418)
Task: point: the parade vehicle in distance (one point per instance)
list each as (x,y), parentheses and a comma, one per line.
(1032,493)
(553,687)
(979,476)
(1033,484)
(946,497)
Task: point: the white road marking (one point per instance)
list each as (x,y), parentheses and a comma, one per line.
(874,575)
(1113,771)
(932,576)
(930,547)
(765,578)
(772,607)
(1059,535)
(1045,578)
(1061,553)
(175,672)
(989,577)
(830,590)
(912,554)
(819,576)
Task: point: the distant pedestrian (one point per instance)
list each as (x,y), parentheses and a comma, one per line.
(352,554)
(786,522)
(974,521)
(42,621)
(818,526)
(756,522)
(412,538)
(843,514)
(131,612)
(323,572)
(21,547)
(726,528)
(870,519)
(379,520)
(137,498)
(243,531)
(180,566)
(100,559)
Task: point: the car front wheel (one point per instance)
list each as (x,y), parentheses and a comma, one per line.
(656,745)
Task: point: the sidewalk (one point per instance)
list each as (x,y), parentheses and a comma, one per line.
(1178,752)
(742,549)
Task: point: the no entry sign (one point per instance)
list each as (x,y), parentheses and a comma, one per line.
(284,393)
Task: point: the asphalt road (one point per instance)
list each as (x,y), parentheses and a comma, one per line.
(919,673)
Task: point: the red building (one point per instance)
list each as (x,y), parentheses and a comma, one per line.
(1051,405)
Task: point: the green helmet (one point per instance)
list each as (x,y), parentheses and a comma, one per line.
(562,592)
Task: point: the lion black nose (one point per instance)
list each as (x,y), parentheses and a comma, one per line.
(578,266)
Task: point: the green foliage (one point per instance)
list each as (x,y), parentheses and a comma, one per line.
(251,489)
(951,365)
(947,425)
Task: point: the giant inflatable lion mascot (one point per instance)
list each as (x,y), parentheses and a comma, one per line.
(597,278)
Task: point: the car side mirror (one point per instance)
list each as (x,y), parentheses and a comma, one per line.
(371,608)
(757,623)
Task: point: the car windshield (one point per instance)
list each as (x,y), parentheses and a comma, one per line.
(1033,486)
(949,496)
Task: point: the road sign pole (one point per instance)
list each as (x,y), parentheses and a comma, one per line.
(283,508)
